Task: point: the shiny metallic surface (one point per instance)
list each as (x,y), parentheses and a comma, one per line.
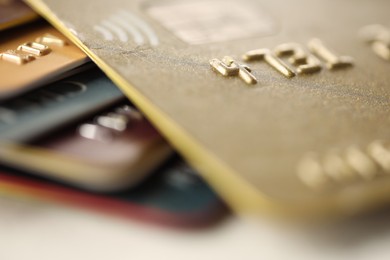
(249,142)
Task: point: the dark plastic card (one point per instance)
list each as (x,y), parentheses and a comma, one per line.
(42,110)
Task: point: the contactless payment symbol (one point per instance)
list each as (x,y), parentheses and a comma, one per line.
(125,27)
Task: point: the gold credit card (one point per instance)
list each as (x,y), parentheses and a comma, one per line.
(281,105)
(13,13)
(33,55)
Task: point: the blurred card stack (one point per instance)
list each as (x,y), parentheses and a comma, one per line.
(69,136)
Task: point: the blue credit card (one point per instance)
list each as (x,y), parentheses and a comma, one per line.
(40,111)
(174,195)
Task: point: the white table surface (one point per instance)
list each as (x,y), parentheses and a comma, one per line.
(36,230)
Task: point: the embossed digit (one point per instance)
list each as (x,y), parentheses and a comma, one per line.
(34,48)
(305,62)
(16,57)
(49,39)
(379,38)
(229,67)
(267,56)
(333,61)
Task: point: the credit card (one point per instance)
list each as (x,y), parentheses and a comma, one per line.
(33,55)
(282,106)
(32,114)
(174,195)
(111,150)
(15,12)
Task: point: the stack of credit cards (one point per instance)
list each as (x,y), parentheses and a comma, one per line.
(283,106)
(68,134)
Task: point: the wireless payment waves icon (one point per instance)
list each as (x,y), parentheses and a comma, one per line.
(125,26)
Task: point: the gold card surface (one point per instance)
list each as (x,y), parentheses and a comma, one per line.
(33,55)
(14,12)
(282,106)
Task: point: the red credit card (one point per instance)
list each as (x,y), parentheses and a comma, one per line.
(175,195)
